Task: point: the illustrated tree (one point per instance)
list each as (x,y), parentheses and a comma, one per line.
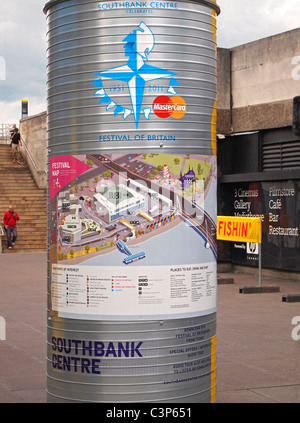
(72,253)
(87,248)
(199,169)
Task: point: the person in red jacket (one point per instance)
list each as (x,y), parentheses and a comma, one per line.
(10,224)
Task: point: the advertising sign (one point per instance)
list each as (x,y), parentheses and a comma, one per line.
(130,236)
(24,109)
(239,229)
(278,206)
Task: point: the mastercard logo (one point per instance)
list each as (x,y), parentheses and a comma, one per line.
(164,107)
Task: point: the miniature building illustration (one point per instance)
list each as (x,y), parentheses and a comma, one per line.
(71,229)
(188,179)
(116,201)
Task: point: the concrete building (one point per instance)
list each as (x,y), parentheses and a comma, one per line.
(259,147)
(71,229)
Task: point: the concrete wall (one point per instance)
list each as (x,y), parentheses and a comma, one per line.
(224,115)
(34,133)
(260,79)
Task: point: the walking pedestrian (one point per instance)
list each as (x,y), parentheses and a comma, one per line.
(15,144)
(10,219)
(12,130)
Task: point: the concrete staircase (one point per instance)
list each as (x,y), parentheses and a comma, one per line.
(17,187)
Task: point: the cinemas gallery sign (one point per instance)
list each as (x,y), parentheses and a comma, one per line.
(278,206)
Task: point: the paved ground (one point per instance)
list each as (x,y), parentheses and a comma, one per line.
(257,359)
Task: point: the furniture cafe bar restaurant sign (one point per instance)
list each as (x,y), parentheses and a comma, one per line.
(278,206)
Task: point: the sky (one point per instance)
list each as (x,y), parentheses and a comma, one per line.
(23,43)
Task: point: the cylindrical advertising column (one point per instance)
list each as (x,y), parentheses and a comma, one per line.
(132,215)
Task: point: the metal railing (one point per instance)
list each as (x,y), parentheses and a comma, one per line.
(1,235)
(5,133)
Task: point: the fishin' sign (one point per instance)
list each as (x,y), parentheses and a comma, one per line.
(240,229)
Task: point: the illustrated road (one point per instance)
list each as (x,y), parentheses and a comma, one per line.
(198,218)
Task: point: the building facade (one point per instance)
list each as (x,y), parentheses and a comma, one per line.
(259,147)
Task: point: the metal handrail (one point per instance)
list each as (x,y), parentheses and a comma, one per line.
(31,158)
(1,235)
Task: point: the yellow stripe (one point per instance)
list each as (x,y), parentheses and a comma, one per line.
(214,114)
(146,216)
(126,224)
(214,27)
(214,129)
(213,369)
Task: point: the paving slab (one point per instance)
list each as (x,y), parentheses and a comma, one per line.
(23,305)
(258,361)
(257,358)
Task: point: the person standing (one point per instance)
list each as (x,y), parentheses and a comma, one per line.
(15,144)
(10,224)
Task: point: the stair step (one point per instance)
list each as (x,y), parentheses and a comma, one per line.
(29,243)
(27,213)
(16,182)
(11,179)
(25,250)
(23,201)
(14,168)
(17,187)
(22,188)
(32,225)
(27,230)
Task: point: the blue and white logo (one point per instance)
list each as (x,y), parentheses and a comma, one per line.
(133,76)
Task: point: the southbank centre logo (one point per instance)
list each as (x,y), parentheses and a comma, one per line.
(136,78)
